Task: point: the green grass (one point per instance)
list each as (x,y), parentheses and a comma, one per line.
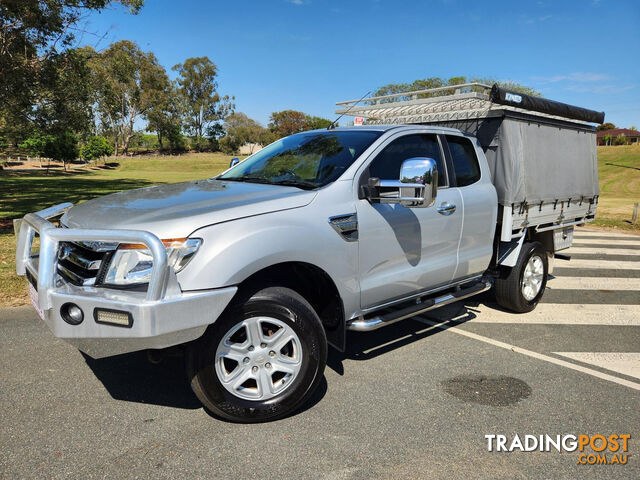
(13,289)
(619,173)
(24,192)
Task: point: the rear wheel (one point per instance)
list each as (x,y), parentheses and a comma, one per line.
(522,289)
(261,359)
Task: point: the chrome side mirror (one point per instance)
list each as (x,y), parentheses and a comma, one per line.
(420,171)
(416,187)
(234,161)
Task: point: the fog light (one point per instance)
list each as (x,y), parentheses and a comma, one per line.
(71,313)
(113,317)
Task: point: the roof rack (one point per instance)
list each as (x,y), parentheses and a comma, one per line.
(459,102)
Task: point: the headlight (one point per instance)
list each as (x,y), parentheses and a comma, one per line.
(132,263)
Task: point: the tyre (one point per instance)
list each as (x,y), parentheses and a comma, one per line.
(261,359)
(521,290)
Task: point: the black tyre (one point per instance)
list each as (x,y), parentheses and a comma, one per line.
(523,287)
(261,359)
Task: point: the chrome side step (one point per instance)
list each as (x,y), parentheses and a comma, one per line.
(362,324)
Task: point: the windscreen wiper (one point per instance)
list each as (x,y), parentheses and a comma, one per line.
(246,179)
(305,185)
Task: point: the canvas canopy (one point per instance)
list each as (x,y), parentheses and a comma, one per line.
(534,160)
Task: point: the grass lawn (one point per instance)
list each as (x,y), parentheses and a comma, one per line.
(29,191)
(619,173)
(23,192)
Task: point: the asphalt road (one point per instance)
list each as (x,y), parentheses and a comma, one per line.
(413,400)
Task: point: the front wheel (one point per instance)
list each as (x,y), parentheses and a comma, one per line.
(522,289)
(261,359)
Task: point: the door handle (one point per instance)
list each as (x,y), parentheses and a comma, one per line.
(446,208)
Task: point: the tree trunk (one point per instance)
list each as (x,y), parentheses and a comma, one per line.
(125,142)
(115,144)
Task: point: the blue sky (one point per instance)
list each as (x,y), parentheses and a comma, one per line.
(308,54)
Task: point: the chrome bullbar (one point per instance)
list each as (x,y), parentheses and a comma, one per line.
(44,270)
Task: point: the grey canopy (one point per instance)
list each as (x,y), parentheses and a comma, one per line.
(535,160)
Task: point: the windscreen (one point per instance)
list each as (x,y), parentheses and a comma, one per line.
(305,160)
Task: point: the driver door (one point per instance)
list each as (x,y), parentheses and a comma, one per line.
(403,250)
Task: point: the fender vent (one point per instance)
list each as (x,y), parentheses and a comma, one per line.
(346,226)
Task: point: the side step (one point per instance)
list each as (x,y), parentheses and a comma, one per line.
(362,324)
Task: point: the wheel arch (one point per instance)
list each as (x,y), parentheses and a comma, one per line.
(311,282)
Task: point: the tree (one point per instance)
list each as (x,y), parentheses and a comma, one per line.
(314,123)
(424,84)
(177,142)
(164,116)
(35,36)
(633,127)
(241,130)
(128,82)
(267,137)
(287,122)
(62,147)
(197,78)
(437,82)
(67,102)
(605,126)
(96,148)
(507,85)
(36,143)
(607,139)
(620,140)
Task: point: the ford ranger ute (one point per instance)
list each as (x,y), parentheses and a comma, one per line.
(440,196)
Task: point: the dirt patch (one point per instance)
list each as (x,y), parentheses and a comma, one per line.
(6,225)
(496,391)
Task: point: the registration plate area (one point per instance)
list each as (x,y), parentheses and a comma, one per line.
(562,238)
(33,295)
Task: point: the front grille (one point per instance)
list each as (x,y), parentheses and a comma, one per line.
(80,265)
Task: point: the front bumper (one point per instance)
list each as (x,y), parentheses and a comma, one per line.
(163,316)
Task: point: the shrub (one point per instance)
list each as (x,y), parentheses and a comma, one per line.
(62,147)
(36,144)
(177,142)
(621,140)
(229,144)
(199,144)
(95,148)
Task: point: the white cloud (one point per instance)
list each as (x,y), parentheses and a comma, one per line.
(579,77)
(582,88)
(584,82)
(539,19)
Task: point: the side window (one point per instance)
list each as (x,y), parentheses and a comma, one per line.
(465,161)
(386,165)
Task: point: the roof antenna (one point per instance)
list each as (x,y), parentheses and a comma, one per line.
(333,124)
